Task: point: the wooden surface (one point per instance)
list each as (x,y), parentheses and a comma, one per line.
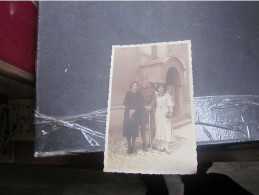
(82,174)
(16,74)
(227,153)
(51,180)
(12,89)
(24,155)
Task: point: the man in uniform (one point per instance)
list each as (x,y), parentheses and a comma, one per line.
(148,121)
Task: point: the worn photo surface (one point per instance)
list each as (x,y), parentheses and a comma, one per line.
(150,121)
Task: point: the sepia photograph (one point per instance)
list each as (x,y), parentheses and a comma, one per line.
(150,122)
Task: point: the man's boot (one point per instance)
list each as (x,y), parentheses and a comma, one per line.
(144,145)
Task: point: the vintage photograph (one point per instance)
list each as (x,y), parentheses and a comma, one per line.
(150,121)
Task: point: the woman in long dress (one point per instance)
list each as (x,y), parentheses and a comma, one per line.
(132,116)
(163,115)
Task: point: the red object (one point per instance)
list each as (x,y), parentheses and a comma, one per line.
(18,24)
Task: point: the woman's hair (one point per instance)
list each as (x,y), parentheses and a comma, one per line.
(133,83)
(163,85)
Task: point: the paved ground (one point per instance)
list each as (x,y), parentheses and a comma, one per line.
(181,159)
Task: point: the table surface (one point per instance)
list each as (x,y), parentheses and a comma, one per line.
(215,153)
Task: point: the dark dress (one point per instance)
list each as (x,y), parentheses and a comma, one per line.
(130,125)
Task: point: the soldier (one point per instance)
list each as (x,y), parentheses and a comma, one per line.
(148,93)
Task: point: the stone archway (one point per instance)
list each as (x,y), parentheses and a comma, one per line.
(174,89)
(175,79)
(170,71)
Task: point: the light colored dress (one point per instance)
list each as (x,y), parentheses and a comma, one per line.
(164,126)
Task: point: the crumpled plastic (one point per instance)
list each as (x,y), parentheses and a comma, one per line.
(218,119)
(73,123)
(226,119)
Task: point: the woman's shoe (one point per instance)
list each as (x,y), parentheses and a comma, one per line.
(129,150)
(134,151)
(167,151)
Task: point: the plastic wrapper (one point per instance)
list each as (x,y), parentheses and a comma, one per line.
(226,119)
(218,119)
(91,126)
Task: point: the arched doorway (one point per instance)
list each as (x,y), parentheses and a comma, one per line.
(173,82)
(172,72)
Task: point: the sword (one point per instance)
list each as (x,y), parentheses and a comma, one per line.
(149,128)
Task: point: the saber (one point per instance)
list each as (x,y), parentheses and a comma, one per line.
(149,128)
